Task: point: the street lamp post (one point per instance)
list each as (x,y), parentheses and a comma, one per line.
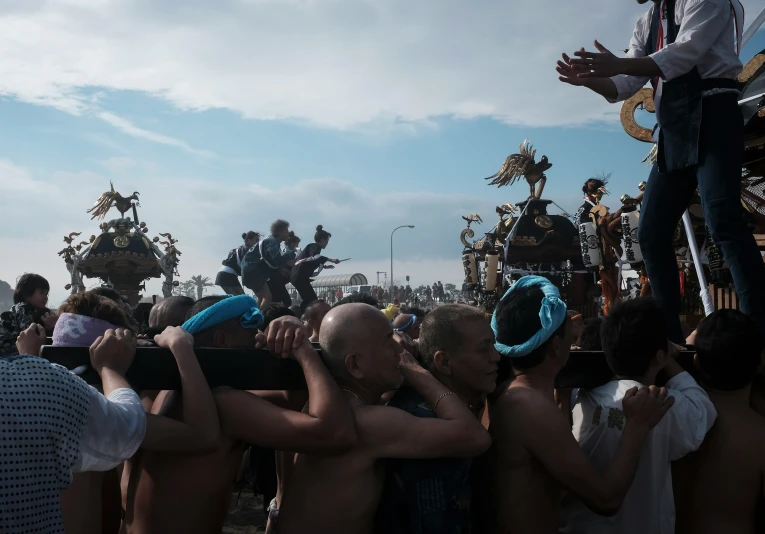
(391,256)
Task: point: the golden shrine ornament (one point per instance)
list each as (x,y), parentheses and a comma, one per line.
(121,241)
(543,221)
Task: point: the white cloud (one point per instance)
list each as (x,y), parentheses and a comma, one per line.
(333,63)
(127,127)
(208,219)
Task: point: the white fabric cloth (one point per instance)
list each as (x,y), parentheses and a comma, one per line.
(229,270)
(115,430)
(649,505)
(51,424)
(705,40)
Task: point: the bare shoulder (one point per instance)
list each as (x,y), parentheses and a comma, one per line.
(520,401)
(521,410)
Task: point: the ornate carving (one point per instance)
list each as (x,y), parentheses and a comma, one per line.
(643,99)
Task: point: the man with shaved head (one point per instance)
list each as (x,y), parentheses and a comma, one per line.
(191,494)
(330,494)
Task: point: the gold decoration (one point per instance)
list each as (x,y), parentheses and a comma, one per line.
(543,221)
(524,241)
(643,98)
(112,199)
(121,241)
(523,164)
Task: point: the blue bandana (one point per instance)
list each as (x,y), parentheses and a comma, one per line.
(412,321)
(231,307)
(551,314)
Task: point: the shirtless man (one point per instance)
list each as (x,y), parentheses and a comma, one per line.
(191,494)
(534,454)
(433,496)
(719,487)
(333,494)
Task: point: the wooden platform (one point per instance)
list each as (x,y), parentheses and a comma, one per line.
(155,368)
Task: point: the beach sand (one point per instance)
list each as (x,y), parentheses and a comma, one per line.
(246,516)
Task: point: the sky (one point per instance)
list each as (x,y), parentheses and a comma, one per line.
(360,115)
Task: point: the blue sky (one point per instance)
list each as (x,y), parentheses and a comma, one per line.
(356,115)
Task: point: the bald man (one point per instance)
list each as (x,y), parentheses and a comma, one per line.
(331,494)
(191,494)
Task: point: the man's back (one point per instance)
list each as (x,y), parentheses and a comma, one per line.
(598,423)
(719,488)
(526,496)
(166,488)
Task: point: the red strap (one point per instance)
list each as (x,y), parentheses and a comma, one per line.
(659,40)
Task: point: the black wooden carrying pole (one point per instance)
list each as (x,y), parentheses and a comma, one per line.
(155,368)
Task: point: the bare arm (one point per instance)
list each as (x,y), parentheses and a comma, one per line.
(396,434)
(327,427)
(290,400)
(546,434)
(200,429)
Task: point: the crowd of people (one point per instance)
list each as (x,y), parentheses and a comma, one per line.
(267,265)
(447,421)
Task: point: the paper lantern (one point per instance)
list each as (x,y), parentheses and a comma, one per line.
(590,243)
(471,271)
(492,260)
(630,247)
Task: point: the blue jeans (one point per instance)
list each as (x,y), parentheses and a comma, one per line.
(718,177)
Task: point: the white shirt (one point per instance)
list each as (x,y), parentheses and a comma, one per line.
(649,506)
(51,424)
(115,430)
(705,40)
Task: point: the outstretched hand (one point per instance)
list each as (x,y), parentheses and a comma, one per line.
(569,73)
(600,64)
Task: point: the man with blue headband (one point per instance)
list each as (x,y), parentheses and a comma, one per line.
(534,455)
(190,494)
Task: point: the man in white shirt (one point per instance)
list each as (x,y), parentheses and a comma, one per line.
(634,338)
(53,424)
(686,49)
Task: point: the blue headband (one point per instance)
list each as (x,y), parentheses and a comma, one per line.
(551,314)
(407,326)
(231,307)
